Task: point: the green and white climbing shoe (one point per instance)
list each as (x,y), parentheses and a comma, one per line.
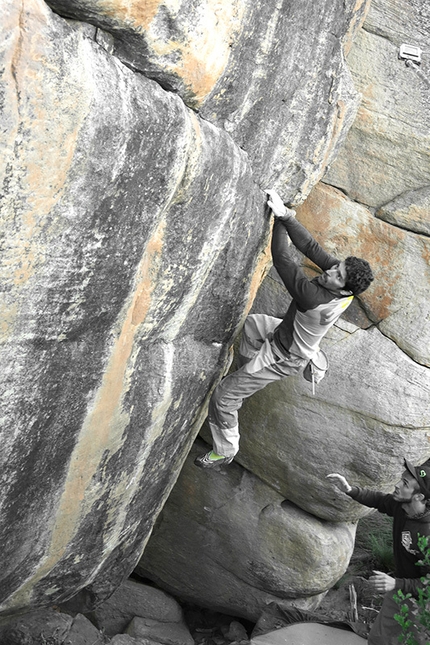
(211,460)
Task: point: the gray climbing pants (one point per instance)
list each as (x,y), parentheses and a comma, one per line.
(262,363)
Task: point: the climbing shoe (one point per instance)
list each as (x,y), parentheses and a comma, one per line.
(210,460)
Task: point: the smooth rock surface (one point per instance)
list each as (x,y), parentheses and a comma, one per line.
(308,634)
(83,632)
(233,543)
(124,639)
(387,150)
(409,211)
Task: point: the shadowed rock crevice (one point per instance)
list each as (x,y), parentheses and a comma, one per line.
(407,210)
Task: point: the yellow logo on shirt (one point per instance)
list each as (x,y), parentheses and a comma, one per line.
(332,312)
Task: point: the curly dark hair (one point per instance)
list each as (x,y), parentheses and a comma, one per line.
(358,275)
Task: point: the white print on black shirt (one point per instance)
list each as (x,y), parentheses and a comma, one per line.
(407,542)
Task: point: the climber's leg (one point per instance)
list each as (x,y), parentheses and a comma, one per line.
(266,366)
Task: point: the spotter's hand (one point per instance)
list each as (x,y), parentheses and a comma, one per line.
(382,582)
(340,482)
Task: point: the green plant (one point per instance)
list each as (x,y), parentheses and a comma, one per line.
(382,550)
(414,613)
(374,543)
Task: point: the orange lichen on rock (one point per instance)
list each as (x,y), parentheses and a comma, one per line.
(346,228)
(134,13)
(192,43)
(147,275)
(44,111)
(105,422)
(359,14)
(104,426)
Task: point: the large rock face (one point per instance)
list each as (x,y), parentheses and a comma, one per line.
(241,544)
(386,152)
(133,236)
(373,407)
(272,74)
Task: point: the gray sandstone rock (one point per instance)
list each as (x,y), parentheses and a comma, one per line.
(49,626)
(387,151)
(136,599)
(308,633)
(125,639)
(134,234)
(83,632)
(120,302)
(271,74)
(235,632)
(410,211)
(228,541)
(159,632)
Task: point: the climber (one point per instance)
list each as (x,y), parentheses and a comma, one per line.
(273,348)
(409,505)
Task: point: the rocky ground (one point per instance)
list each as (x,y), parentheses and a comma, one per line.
(373,550)
(138,613)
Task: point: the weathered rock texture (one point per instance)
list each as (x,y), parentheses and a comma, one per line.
(133,237)
(159,613)
(272,74)
(135,599)
(126,273)
(373,408)
(235,544)
(50,626)
(386,152)
(145,630)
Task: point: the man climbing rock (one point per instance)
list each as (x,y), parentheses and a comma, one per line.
(409,505)
(273,348)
